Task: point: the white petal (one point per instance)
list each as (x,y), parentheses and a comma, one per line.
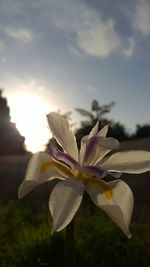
(84,140)
(119,208)
(82,149)
(94,130)
(97,154)
(137,161)
(97,147)
(103,132)
(63,157)
(64,202)
(60,129)
(34,176)
(116,174)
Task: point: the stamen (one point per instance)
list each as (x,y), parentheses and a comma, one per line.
(58,165)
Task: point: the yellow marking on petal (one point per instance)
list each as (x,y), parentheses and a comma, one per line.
(99,181)
(109,194)
(87,179)
(54,164)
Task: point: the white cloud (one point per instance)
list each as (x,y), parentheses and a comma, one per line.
(91,33)
(22,35)
(86,29)
(141,20)
(129,51)
(98,38)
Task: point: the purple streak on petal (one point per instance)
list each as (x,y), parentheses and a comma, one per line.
(90,146)
(109,143)
(61,156)
(95,171)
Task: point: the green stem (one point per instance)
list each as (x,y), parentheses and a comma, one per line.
(69,260)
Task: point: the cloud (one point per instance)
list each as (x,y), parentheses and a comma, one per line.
(129,51)
(85,29)
(22,35)
(141,20)
(91,32)
(98,38)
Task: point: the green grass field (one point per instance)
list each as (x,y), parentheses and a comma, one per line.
(25,240)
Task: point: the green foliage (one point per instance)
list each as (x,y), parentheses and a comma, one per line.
(103,244)
(25,240)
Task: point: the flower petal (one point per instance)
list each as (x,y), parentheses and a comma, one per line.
(94,171)
(64,202)
(82,149)
(137,161)
(60,129)
(118,207)
(35,176)
(103,132)
(97,147)
(61,156)
(94,130)
(116,174)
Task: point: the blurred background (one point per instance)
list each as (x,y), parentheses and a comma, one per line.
(87,60)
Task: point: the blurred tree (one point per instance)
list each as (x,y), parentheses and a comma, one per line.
(142,131)
(11,142)
(98,112)
(118,131)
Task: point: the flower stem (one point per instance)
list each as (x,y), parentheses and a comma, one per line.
(69,260)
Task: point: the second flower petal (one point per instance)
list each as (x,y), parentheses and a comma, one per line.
(64,202)
(137,161)
(63,134)
(97,147)
(36,174)
(117,204)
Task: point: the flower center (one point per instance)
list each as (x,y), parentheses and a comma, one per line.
(87,179)
(83,176)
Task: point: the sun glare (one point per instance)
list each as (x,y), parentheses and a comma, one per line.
(29,111)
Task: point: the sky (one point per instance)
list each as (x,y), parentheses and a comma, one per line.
(62,54)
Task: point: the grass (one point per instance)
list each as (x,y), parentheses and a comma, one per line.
(25,240)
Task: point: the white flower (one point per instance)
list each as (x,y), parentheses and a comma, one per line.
(85,171)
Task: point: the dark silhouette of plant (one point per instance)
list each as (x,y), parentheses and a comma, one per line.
(11,142)
(118,131)
(99,112)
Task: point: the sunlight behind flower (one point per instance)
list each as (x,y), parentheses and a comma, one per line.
(28,111)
